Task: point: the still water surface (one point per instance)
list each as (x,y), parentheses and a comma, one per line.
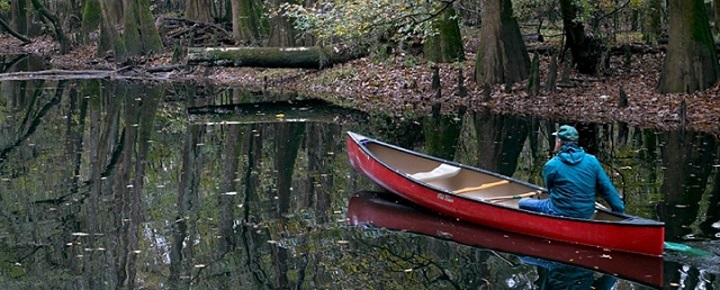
(108,185)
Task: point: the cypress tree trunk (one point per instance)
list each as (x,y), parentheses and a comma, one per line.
(691,63)
(585,50)
(110,37)
(282,33)
(198,10)
(91,18)
(652,27)
(716,14)
(19,19)
(446,46)
(141,35)
(502,57)
(245,21)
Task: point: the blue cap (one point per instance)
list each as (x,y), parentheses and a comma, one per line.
(567,133)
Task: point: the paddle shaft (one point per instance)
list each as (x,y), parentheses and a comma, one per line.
(516,196)
(481,187)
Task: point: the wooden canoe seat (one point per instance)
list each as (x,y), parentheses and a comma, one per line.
(441,172)
(483,186)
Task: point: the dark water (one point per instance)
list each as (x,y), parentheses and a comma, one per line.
(108,185)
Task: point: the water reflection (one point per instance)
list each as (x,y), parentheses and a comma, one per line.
(107,185)
(561,264)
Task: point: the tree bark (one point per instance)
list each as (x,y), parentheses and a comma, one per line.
(141,35)
(271,57)
(19,19)
(110,37)
(445,46)
(198,10)
(282,34)
(502,56)
(652,27)
(245,21)
(691,63)
(91,18)
(716,14)
(586,51)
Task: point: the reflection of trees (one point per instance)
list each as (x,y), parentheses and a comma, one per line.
(407,261)
(322,146)
(140,106)
(88,230)
(709,226)
(33,117)
(500,140)
(687,158)
(188,203)
(441,135)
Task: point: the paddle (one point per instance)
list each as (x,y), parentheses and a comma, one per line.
(481,187)
(516,196)
(675,247)
(685,249)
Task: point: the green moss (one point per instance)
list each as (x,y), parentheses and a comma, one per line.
(446,45)
(91,16)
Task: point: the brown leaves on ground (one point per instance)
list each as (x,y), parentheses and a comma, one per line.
(401,86)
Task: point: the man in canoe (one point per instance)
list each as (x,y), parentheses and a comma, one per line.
(572,178)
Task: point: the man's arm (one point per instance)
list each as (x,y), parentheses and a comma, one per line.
(607,190)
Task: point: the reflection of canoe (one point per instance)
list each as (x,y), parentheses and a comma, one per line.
(490,199)
(368,208)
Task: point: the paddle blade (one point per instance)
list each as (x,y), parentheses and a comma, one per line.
(685,249)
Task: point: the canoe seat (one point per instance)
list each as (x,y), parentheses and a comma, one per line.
(441,172)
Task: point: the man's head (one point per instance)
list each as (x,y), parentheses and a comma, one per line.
(567,134)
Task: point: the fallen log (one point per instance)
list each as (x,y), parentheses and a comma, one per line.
(272,57)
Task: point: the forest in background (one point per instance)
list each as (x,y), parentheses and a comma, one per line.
(649,63)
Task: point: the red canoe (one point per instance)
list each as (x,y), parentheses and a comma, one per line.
(488,198)
(374,209)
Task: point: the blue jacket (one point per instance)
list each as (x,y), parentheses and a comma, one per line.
(572,178)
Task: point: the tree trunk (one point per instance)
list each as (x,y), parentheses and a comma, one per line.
(691,63)
(652,27)
(716,14)
(19,20)
(91,18)
(585,50)
(110,37)
(198,10)
(141,35)
(445,46)
(502,56)
(282,34)
(245,21)
(271,57)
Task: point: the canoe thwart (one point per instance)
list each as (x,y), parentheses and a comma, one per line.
(515,196)
(481,187)
(441,172)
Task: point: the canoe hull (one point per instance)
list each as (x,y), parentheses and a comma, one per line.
(635,237)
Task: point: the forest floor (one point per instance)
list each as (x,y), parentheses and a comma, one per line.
(401,85)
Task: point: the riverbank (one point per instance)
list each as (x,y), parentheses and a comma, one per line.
(401,85)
